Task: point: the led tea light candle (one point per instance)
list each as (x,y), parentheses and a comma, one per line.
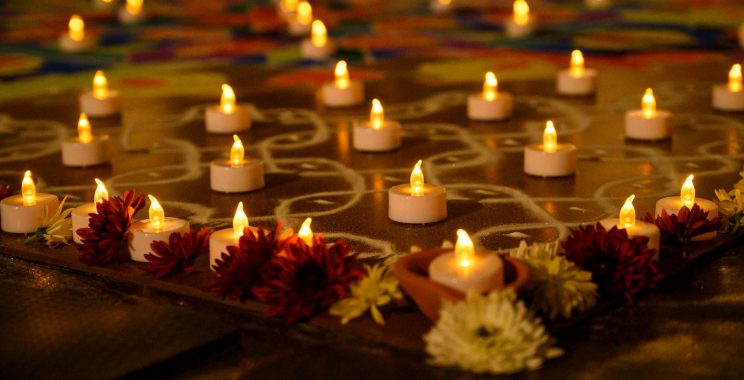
(465,271)
(300,24)
(441,7)
(730,97)
(490,104)
(342,92)
(156,228)
(521,24)
(648,123)
(287,8)
(419,202)
(377,134)
(132,12)
(24,213)
(86,149)
(76,40)
(221,239)
(236,175)
(80,215)
(305,233)
(318,47)
(686,198)
(101,101)
(550,159)
(634,227)
(577,80)
(228,117)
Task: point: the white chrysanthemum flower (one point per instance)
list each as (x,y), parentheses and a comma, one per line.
(557,285)
(491,333)
(55,229)
(378,288)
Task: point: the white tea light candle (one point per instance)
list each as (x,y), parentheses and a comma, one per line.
(80,216)
(228,117)
(300,24)
(377,134)
(24,213)
(490,104)
(521,24)
(687,198)
(131,12)
(236,175)
(221,239)
(342,92)
(465,271)
(318,47)
(76,40)
(550,159)
(156,228)
(729,96)
(648,123)
(101,101)
(634,227)
(86,149)
(417,202)
(287,9)
(577,80)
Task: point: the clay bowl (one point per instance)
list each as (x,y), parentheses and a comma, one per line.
(413,274)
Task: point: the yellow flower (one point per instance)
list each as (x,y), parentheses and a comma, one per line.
(376,289)
(55,229)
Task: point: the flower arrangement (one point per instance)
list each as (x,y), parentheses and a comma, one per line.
(680,228)
(178,254)
(378,288)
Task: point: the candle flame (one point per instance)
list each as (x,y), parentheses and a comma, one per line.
(101,193)
(521,12)
(648,104)
(304,13)
(687,193)
(550,138)
(134,7)
(237,152)
(577,64)
(100,85)
(627,213)
(289,5)
(734,83)
(157,214)
(342,75)
(464,250)
(417,180)
(305,233)
(444,2)
(490,87)
(376,115)
(240,220)
(319,35)
(227,100)
(28,189)
(76,28)
(85,132)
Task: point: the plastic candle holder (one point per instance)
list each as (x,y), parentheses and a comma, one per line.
(301,24)
(490,104)
(465,271)
(318,47)
(648,123)
(342,92)
(634,227)
(417,202)
(228,117)
(730,96)
(550,159)
(131,13)
(157,228)
(80,215)
(377,134)
(86,149)
(221,239)
(687,198)
(76,39)
(236,175)
(100,102)
(576,80)
(521,24)
(24,213)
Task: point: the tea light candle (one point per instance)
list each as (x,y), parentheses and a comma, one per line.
(598,4)
(76,40)
(490,104)
(228,117)
(221,239)
(441,7)
(465,271)
(550,159)
(80,215)
(648,123)
(577,80)
(633,227)
(730,97)
(287,9)
(377,134)
(24,213)
(318,47)
(300,24)
(104,4)
(131,13)
(342,92)
(521,24)
(86,149)
(157,228)
(101,101)
(419,202)
(686,198)
(236,175)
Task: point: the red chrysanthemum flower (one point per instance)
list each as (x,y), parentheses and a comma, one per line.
(683,226)
(239,269)
(178,254)
(5,191)
(307,280)
(621,266)
(106,233)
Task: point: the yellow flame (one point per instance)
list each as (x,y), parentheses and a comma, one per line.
(101,193)
(85,132)
(304,13)
(157,214)
(305,233)
(687,193)
(648,104)
(227,100)
(289,5)
(134,7)
(464,250)
(237,152)
(577,64)
(417,180)
(521,12)
(28,189)
(490,86)
(734,82)
(627,213)
(76,28)
(377,115)
(100,85)
(342,75)
(444,2)
(240,220)
(550,138)
(319,35)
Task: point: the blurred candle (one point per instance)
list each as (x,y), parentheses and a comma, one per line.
(490,104)
(577,79)
(729,96)
(377,134)
(342,92)
(648,123)
(228,117)
(86,149)
(318,47)
(550,159)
